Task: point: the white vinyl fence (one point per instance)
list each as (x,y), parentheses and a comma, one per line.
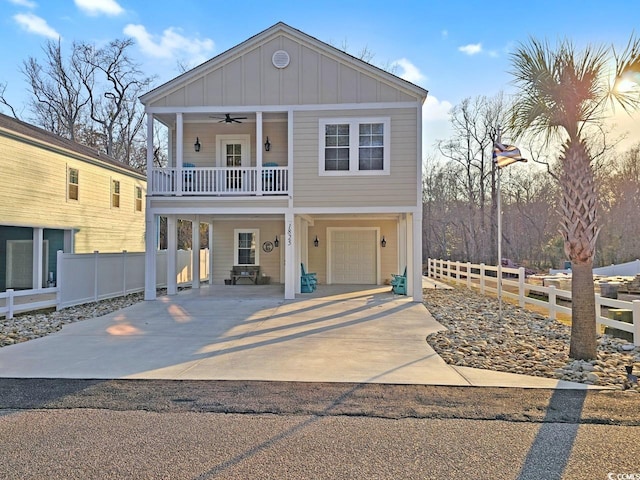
(484,277)
(90,277)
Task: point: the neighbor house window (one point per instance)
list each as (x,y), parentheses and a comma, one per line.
(138,199)
(245,251)
(354,146)
(73,184)
(115,193)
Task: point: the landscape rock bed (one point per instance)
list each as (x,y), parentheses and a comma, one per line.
(523,342)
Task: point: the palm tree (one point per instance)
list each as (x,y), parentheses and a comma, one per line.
(562,95)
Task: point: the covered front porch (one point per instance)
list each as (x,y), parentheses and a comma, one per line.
(342,250)
(205,152)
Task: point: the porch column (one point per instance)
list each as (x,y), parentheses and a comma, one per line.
(210,253)
(289,244)
(402,243)
(149,153)
(172,252)
(38,258)
(259,152)
(195,252)
(179,145)
(417,257)
(150,247)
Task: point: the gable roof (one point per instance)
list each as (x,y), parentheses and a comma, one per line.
(42,138)
(281,28)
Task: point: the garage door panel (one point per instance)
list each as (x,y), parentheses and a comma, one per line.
(353,257)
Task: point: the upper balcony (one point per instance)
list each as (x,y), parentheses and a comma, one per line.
(219,181)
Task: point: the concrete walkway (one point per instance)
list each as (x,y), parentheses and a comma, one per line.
(336,334)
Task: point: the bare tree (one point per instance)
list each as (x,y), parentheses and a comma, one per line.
(4,101)
(113,100)
(59,99)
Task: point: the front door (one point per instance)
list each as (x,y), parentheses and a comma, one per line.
(234,153)
(234,159)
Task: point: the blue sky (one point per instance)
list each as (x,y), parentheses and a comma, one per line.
(455,49)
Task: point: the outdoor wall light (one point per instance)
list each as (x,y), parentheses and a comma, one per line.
(316,242)
(267,145)
(196,146)
(383,242)
(276,242)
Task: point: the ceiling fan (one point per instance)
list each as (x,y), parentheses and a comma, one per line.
(229,119)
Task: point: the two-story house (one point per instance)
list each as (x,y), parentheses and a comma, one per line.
(292,151)
(55,195)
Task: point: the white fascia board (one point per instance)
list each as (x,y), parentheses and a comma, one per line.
(355,211)
(216,211)
(283,108)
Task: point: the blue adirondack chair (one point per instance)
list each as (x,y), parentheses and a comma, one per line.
(308,281)
(399,283)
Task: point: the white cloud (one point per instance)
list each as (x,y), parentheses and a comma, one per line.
(444,33)
(434,109)
(34,24)
(471,49)
(171,44)
(409,72)
(24,3)
(98,7)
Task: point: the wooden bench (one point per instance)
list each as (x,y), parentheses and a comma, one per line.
(250,272)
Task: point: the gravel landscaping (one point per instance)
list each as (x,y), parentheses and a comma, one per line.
(524,342)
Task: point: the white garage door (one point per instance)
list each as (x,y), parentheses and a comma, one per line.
(353,257)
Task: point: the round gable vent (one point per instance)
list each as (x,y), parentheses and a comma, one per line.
(280,59)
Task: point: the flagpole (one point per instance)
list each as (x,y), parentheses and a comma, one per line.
(499,140)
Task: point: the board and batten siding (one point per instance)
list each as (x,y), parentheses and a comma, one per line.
(313,76)
(206,133)
(396,189)
(34,193)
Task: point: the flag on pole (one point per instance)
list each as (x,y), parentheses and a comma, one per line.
(504,155)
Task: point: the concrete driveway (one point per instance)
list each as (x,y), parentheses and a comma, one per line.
(336,334)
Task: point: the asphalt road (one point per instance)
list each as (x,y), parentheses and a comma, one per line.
(86,429)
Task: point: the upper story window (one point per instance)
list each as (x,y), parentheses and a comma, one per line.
(115,193)
(354,146)
(138,199)
(73,185)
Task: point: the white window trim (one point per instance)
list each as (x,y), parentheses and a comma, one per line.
(69,184)
(241,138)
(113,193)
(236,232)
(354,122)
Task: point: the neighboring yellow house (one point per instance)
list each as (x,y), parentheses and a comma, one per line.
(60,195)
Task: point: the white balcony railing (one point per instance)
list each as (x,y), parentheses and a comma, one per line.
(219,181)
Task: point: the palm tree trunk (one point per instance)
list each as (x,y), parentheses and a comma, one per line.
(583,307)
(580,231)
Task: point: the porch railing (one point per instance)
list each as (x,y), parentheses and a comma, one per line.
(219,181)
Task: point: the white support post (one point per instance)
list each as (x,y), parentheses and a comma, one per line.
(290,261)
(172,252)
(259,152)
(149,154)
(124,273)
(482,276)
(417,257)
(9,303)
(59,276)
(38,258)
(179,152)
(469,275)
(210,262)
(552,302)
(521,277)
(635,312)
(195,252)
(151,248)
(96,274)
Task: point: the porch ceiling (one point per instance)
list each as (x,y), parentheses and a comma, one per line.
(169,119)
